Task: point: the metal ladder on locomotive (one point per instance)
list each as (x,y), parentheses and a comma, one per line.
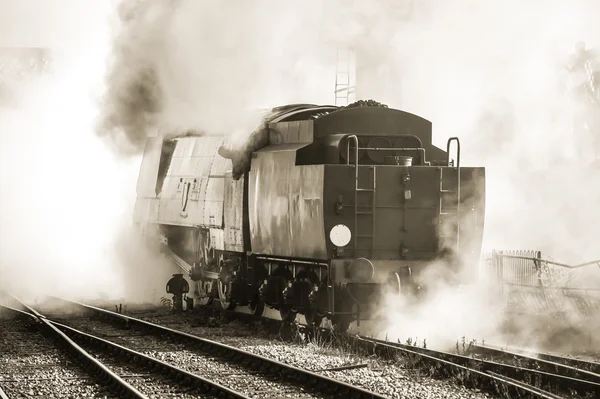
(445,214)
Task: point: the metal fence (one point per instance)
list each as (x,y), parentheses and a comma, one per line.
(522,267)
(528,282)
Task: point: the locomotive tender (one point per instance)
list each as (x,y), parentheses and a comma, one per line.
(323,208)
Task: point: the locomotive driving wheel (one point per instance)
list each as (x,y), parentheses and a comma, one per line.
(225,296)
(224,290)
(313,318)
(257,306)
(286,311)
(205,293)
(341,323)
(287,314)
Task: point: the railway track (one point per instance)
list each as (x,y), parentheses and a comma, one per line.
(487,369)
(121,373)
(506,374)
(126,345)
(521,376)
(38,359)
(529,357)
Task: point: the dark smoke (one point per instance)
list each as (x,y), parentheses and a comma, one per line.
(131,113)
(186,65)
(133,93)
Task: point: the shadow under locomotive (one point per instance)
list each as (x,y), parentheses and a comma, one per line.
(322,210)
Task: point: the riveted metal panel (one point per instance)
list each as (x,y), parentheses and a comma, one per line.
(204,206)
(406,212)
(146,205)
(217,239)
(185,147)
(234,214)
(202,165)
(193,190)
(207,146)
(213,202)
(220,166)
(291,132)
(141,210)
(196,203)
(286,206)
(146,210)
(176,167)
(153,210)
(283,147)
(146,185)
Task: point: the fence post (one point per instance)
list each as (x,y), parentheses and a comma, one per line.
(538,266)
(498,271)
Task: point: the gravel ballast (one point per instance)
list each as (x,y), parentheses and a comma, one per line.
(152,385)
(31,365)
(254,384)
(375,374)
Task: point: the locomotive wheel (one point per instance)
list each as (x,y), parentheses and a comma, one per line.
(313,318)
(257,307)
(205,292)
(224,296)
(224,290)
(287,314)
(341,323)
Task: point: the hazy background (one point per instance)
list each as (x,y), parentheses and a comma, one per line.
(489,72)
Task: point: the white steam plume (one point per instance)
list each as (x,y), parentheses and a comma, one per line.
(64,197)
(489,72)
(182,65)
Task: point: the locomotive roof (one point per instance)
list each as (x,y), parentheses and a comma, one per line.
(297,112)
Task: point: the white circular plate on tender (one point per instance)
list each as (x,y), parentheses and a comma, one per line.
(340,235)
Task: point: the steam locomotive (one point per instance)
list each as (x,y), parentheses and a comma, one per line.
(320,213)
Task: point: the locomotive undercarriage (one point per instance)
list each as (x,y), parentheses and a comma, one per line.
(312,288)
(292,287)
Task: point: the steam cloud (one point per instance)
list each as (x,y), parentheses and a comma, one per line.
(489,72)
(64,197)
(492,74)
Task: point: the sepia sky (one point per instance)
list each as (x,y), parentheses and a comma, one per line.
(50,23)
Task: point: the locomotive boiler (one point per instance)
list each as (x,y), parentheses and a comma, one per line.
(321,211)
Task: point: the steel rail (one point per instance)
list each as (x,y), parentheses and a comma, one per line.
(492,381)
(509,376)
(556,376)
(546,361)
(209,387)
(115,382)
(291,373)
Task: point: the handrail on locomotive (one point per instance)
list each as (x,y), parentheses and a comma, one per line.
(448,144)
(353,139)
